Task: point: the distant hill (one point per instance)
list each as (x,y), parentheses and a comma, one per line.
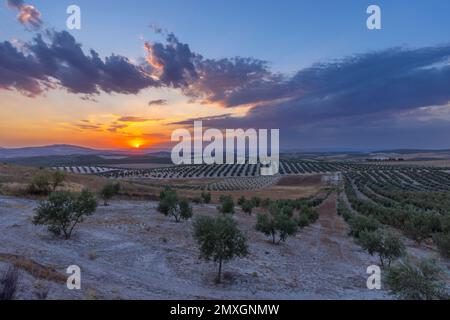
(410,151)
(52,150)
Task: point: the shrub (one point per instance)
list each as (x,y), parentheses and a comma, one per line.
(219,239)
(276,222)
(8,283)
(442,241)
(361,223)
(247,207)
(108,191)
(64,210)
(387,245)
(206,196)
(40,183)
(227,205)
(416,282)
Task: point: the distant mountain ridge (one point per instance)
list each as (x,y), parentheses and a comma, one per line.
(68,150)
(51,150)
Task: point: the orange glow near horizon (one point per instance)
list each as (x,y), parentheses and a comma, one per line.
(137,143)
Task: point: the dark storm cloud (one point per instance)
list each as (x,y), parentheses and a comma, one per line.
(374,85)
(61,61)
(190,122)
(382,82)
(172,62)
(20,71)
(209,80)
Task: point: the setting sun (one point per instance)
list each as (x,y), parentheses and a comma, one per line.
(136,143)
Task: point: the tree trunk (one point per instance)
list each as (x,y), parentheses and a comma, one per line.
(219,275)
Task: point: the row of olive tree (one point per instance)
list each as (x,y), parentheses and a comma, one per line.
(405,279)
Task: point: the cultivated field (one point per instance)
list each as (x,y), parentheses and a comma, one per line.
(130,250)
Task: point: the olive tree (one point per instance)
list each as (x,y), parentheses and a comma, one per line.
(247,207)
(387,245)
(219,239)
(57,178)
(276,221)
(206,196)
(40,183)
(421,225)
(64,210)
(226,205)
(171,205)
(416,281)
(108,191)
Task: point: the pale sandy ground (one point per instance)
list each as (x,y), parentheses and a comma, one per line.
(130,251)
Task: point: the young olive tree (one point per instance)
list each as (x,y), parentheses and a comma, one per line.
(247,207)
(226,205)
(206,197)
(108,191)
(64,210)
(219,239)
(387,245)
(57,178)
(276,221)
(171,205)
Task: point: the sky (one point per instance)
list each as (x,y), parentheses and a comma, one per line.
(137,70)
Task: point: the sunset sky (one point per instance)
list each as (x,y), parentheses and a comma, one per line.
(139,69)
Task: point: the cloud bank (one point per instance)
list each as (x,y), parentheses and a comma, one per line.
(365,93)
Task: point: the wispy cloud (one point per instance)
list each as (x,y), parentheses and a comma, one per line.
(132,119)
(158,102)
(28,15)
(114,127)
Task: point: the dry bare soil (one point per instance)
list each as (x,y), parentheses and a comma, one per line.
(130,251)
